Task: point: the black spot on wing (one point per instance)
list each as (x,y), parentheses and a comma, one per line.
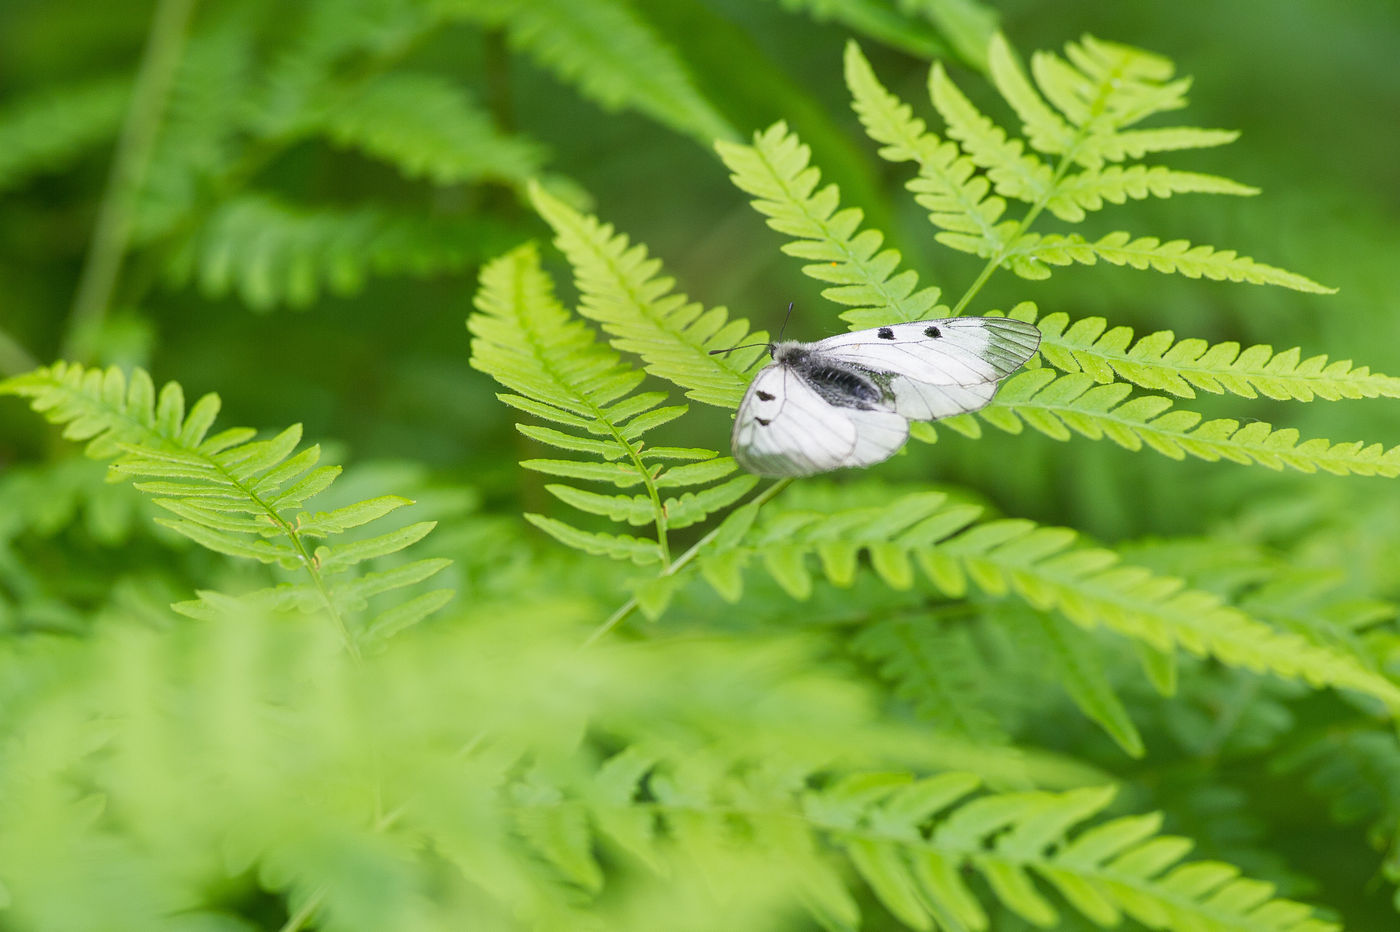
(765,396)
(933,332)
(885,333)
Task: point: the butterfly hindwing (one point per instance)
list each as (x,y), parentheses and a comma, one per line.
(784,428)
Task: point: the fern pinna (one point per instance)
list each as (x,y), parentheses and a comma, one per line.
(241,497)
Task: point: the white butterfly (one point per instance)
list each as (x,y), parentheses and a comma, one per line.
(848,400)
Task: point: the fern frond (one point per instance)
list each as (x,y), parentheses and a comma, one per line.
(1106,88)
(609,52)
(1014,172)
(1088,191)
(336,45)
(626,292)
(935,666)
(1074,663)
(909,33)
(776,171)
(1160,361)
(528,342)
(1116,868)
(46,130)
(228,492)
(202,126)
(1059,406)
(1046,567)
(948,186)
(269,252)
(430,128)
(1032,253)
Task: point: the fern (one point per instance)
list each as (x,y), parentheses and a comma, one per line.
(954,26)
(776,172)
(429,128)
(1059,406)
(1046,567)
(775,169)
(44,131)
(239,497)
(609,52)
(1162,362)
(934,665)
(561,374)
(1102,90)
(269,252)
(624,291)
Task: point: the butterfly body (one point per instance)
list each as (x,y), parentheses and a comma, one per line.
(848,400)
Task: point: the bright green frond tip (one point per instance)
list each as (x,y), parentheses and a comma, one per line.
(1079,154)
(240,496)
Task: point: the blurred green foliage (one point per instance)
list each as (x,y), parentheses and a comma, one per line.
(292,204)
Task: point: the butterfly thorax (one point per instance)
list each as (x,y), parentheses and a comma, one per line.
(837,383)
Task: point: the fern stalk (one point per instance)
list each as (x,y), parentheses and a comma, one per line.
(696,549)
(1067,159)
(112,232)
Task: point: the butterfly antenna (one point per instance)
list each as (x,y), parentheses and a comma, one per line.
(716,352)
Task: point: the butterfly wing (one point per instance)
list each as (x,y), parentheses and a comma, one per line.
(937,368)
(784,428)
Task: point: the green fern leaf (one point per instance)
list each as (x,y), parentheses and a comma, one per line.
(1088,190)
(219,487)
(1149,252)
(625,291)
(1048,570)
(1014,173)
(430,128)
(45,131)
(935,667)
(268,252)
(202,129)
(524,339)
(947,183)
(1160,361)
(776,172)
(609,52)
(1104,872)
(885,24)
(1076,665)
(1061,405)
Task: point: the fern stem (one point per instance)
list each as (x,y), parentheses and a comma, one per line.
(626,608)
(112,230)
(1033,214)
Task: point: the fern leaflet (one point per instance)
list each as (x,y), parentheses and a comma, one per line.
(609,51)
(1103,89)
(776,172)
(626,293)
(430,128)
(560,373)
(46,130)
(1044,566)
(1160,361)
(270,252)
(238,496)
(1060,406)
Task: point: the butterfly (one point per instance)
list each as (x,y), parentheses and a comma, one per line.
(848,400)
